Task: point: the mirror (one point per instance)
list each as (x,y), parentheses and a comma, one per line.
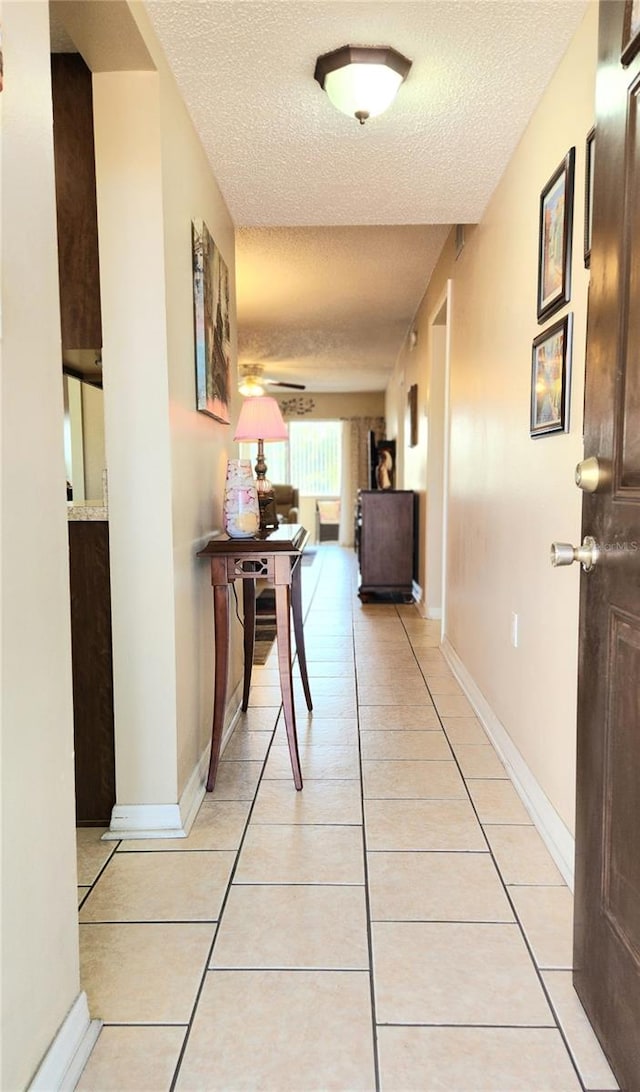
(84,450)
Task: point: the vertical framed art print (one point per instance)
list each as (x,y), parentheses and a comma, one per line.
(554,239)
(212,325)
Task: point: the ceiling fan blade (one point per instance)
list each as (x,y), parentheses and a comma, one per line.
(293,386)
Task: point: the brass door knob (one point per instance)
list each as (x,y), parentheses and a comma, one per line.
(563,553)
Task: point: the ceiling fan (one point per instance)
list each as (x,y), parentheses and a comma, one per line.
(253,381)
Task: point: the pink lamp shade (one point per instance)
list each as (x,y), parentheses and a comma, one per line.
(260,419)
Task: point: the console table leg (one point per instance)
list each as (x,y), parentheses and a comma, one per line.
(283,631)
(298,629)
(221,624)
(249,603)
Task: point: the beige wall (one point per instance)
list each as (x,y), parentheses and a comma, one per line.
(40,978)
(509,495)
(166,461)
(333,407)
(127,139)
(199,446)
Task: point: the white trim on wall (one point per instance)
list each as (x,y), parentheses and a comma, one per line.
(553,831)
(169,820)
(67,1056)
(145,821)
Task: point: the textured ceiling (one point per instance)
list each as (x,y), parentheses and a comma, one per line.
(332,308)
(283,155)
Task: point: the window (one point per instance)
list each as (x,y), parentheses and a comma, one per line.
(311,459)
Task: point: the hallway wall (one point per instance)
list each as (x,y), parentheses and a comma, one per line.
(130,218)
(198,445)
(167,461)
(178,472)
(40,976)
(510,495)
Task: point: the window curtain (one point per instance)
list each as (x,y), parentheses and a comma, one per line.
(355,467)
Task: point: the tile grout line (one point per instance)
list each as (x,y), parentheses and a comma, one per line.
(366,868)
(97,877)
(232,873)
(537,969)
(518,922)
(218,921)
(187,1026)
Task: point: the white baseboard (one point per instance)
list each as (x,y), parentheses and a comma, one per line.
(552,829)
(145,821)
(195,789)
(424,610)
(170,820)
(67,1056)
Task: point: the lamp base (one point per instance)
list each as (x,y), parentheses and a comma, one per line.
(268,514)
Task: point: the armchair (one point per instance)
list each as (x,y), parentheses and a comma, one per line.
(327,520)
(287,503)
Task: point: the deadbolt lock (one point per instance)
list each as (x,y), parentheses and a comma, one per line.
(592,474)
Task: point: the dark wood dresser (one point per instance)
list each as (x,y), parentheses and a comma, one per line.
(386,529)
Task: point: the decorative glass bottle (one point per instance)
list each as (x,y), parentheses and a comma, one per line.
(241,511)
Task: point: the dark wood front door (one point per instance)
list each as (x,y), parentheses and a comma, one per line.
(607,907)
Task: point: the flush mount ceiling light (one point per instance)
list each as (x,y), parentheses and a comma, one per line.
(361,81)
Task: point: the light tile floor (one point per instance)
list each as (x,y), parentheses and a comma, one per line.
(397,925)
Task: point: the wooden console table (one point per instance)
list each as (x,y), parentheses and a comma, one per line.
(274,556)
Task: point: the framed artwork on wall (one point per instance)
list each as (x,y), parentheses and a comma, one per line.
(212,325)
(554,239)
(590,152)
(551,379)
(412,412)
(630,31)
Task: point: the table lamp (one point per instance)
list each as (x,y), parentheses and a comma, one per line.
(260,419)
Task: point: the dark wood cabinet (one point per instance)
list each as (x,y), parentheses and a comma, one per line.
(92,671)
(386,541)
(73,143)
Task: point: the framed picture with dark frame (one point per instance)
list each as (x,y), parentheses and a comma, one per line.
(590,153)
(551,379)
(630,31)
(412,409)
(212,325)
(554,239)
